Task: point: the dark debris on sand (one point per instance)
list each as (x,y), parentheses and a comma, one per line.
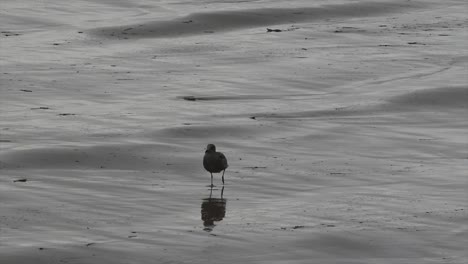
(21,180)
(189,98)
(274,30)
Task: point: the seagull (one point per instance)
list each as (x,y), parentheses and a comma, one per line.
(214,162)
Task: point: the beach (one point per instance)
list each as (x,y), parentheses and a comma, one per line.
(343,122)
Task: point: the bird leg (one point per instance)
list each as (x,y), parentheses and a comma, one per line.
(223,176)
(211,179)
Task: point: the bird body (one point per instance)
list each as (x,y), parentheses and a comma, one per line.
(214,162)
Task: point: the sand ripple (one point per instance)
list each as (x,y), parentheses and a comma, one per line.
(203,23)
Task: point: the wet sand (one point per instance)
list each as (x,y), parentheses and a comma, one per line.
(344,127)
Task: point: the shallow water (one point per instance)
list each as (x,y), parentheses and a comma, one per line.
(345,133)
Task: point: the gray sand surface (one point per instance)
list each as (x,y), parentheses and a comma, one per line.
(345,128)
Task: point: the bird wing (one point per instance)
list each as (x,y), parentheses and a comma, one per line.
(223,160)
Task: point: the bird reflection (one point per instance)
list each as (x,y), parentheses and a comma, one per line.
(213,210)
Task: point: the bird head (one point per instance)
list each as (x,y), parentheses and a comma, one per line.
(210,148)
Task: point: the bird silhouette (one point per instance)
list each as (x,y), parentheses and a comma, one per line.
(214,162)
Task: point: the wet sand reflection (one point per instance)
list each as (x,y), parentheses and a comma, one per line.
(212,210)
